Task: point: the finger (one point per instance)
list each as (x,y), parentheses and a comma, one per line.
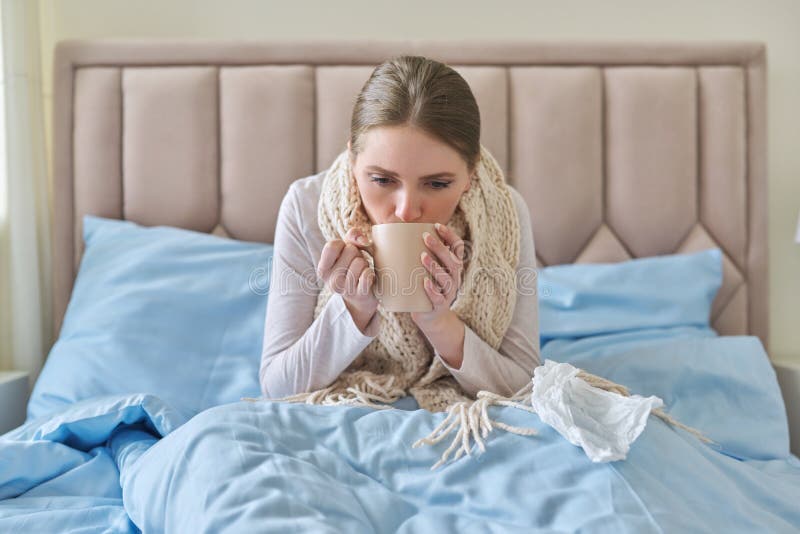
(330,252)
(361,240)
(439,274)
(442,254)
(452,241)
(357,237)
(357,266)
(338,276)
(365,282)
(339,270)
(433,293)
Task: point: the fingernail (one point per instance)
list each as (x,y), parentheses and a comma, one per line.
(425,235)
(438,226)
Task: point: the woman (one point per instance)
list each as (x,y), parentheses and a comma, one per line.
(414,155)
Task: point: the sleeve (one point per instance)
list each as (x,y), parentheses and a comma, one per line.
(300,354)
(507,370)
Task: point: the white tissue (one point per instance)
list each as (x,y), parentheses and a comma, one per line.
(602,422)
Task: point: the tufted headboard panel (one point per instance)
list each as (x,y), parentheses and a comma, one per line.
(621,149)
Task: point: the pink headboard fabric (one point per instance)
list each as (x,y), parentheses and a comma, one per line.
(621,149)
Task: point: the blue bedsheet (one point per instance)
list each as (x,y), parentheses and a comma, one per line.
(132,462)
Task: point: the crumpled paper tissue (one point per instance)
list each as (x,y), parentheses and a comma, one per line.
(602,422)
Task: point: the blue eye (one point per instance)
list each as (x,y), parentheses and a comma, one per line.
(380,180)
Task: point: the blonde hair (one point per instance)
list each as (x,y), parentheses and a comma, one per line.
(424,93)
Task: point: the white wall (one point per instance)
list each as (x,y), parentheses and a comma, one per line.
(776,22)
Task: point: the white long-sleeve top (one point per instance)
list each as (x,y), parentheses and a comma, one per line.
(301,354)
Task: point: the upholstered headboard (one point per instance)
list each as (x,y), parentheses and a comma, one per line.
(621,149)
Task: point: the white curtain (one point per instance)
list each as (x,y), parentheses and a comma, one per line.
(25,253)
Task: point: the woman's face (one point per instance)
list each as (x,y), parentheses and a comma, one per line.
(406,175)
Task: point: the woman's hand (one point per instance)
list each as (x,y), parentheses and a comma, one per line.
(346,272)
(444,261)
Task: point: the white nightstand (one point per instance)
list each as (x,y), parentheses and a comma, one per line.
(788,372)
(13,399)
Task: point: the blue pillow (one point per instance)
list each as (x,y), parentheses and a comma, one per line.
(161,310)
(582,299)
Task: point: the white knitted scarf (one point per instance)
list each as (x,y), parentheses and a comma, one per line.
(400,360)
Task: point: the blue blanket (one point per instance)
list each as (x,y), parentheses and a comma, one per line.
(132,462)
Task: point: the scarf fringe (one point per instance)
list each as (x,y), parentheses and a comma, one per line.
(474,419)
(658,412)
(600,382)
(387,394)
(470,418)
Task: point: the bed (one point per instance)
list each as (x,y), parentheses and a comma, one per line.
(643,165)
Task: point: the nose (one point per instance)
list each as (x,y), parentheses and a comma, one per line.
(407,208)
